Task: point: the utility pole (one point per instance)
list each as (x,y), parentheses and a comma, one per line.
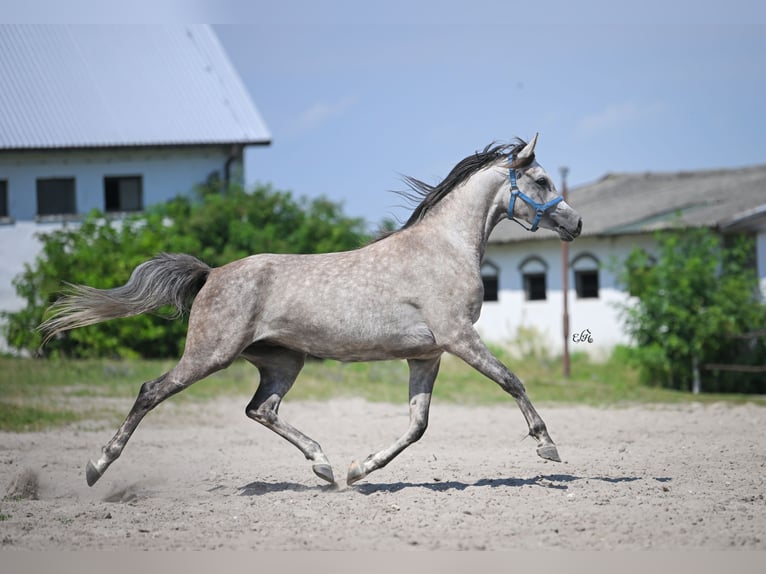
(565,282)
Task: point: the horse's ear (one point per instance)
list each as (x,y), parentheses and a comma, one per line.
(528,151)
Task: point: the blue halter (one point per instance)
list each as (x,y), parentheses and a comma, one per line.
(540,208)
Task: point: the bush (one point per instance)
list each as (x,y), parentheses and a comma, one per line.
(697,305)
(216,227)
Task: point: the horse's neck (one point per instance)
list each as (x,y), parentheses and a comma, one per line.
(466,217)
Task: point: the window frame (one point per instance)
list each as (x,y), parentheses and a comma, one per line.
(532,269)
(40,190)
(490,281)
(110,180)
(530,290)
(5,207)
(585,266)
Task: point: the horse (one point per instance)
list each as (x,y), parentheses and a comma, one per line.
(413,294)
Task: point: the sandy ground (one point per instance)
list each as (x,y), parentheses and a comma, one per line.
(205,477)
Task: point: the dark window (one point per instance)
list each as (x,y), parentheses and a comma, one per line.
(490,288)
(534,271)
(534,286)
(55,196)
(123,194)
(490,280)
(586,284)
(3,198)
(585,267)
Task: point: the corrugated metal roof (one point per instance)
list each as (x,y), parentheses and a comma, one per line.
(644,202)
(121,85)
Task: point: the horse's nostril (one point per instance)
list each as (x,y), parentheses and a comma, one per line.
(579,227)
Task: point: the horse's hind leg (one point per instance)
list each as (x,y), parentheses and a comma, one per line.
(279,368)
(422,376)
(152,393)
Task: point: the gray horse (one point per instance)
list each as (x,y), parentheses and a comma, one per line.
(414,294)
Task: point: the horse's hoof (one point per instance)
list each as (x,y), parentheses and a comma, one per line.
(355,472)
(548,452)
(92,474)
(324,471)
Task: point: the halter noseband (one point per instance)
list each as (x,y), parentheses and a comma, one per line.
(540,208)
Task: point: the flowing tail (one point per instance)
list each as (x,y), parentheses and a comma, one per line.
(168,279)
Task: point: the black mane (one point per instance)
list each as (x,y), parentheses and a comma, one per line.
(428,196)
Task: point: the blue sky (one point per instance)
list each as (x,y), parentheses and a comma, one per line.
(356,94)
(354,97)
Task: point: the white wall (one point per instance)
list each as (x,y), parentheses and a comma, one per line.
(17,246)
(166,174)
(501,320)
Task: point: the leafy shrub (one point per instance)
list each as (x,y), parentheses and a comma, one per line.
(216,227)
(697,305)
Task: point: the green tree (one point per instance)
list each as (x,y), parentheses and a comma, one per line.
(695,305)
(216,227)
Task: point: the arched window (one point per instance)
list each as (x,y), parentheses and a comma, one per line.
(534,271)
(585,267)
(490,274)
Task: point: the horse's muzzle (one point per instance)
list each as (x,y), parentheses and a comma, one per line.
(567,235)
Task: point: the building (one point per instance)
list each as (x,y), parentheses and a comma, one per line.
(114,118)
(523,270)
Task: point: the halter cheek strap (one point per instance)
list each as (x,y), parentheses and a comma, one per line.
(540,208)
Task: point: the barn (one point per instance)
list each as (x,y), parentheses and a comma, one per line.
(523,271)
(113,118)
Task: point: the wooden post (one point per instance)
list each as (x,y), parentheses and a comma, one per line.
(565,283)
(696,385)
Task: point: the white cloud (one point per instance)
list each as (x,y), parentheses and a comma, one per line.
(321,113)
(617,116)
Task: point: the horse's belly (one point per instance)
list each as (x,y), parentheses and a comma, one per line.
(373,342)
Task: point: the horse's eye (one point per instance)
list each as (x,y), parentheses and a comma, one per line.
(542,182)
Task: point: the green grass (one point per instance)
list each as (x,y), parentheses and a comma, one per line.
(16,417)
(38,394)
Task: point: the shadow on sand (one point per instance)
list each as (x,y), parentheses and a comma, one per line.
(552,481)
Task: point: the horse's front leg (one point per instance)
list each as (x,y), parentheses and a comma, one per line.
(422,376)
(473,351)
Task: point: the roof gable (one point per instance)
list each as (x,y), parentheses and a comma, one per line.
(121,85)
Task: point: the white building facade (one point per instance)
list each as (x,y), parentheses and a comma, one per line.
(43,190)
(112,118)
(530,296)
(524,298)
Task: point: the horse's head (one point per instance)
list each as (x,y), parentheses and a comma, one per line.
(533,197)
